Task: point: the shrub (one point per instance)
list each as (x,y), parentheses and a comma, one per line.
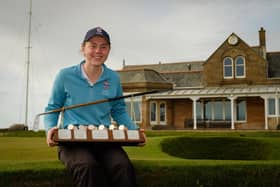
(162,127)
(18,127)
(163,174)
(218,148)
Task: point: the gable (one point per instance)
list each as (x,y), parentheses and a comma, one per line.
(255,65)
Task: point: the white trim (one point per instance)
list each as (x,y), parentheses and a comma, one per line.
(265,111)
(209,92)
(277,109)
(268,106)
(232,111)
(194,99)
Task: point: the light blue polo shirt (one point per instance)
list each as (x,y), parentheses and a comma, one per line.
(71,87)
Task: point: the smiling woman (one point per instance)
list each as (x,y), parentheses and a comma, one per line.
(91,80)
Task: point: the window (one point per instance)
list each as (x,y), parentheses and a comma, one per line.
(199,105)
(153,112)
(134,108)
(218,110)
(236,70)
(239,67)
(240,110)
(158,113)
(227,110)
(208,110)
(271,106)
(228,70)
(162,116)
(137,110)
(221,110)
(279,107)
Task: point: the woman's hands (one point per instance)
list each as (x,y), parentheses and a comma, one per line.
(50,135)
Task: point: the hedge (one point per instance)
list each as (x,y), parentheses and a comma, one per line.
(163,174)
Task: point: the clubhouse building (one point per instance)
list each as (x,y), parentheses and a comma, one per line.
(237,87)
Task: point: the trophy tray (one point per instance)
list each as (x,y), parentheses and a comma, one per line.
(122,137)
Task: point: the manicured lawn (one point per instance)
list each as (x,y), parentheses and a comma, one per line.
(33,160)
(34,149)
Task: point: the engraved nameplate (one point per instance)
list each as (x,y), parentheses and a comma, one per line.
(100,134)
(64,134)
(118,135)
(80,134)
(133,135)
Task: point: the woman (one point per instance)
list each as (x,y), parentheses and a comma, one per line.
(94,164)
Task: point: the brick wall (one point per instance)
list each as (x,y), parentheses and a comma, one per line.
(255,114)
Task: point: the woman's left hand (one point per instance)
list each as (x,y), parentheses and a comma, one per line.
(142,131)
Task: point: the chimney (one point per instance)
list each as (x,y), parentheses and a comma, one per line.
(262,37)
(262,42)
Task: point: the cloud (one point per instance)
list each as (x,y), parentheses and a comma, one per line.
(142,32)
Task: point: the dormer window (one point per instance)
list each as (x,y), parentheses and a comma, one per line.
(236,69)
(228,68)
(239,67)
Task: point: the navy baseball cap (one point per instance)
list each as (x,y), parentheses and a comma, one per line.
(97,31)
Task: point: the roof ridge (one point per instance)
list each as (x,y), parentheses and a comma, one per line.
(273,52)
(168,63)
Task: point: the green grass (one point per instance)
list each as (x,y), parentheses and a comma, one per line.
(25,149)
(29,161)
(21,148)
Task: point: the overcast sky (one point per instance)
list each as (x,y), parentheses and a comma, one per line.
(142,32)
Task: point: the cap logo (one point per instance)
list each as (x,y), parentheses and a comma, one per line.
(99,30)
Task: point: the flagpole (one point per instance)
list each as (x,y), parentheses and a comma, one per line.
(28,64)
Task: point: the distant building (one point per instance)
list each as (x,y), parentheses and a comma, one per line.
(237,87)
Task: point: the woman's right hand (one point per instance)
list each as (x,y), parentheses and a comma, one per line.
(50,135)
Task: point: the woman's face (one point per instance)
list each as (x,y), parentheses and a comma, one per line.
(96,50)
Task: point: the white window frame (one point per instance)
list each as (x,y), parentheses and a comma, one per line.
(268,108)
(224,66)
(236,65)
